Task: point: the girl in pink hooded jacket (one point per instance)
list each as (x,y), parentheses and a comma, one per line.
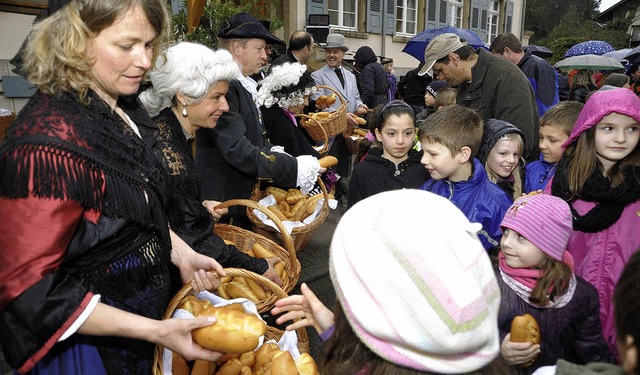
(599,176)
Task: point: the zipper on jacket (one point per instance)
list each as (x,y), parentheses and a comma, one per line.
(450,185)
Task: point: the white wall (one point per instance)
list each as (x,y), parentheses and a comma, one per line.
(14,28)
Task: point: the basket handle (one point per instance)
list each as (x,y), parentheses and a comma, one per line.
(343,101)
(315,122)
(286,237)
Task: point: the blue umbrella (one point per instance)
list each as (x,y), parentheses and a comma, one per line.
(618,54)
(416,45)
(590,47)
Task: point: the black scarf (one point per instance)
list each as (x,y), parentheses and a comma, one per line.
(597,188)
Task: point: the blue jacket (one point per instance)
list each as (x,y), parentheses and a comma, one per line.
(479,199)
(538,174)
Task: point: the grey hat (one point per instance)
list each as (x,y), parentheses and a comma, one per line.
(245,26)
(336,41)
(439,47)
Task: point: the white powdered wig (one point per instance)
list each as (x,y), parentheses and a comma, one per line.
(189,68)
(284,86)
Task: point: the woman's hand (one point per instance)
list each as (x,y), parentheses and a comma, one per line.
(175,334)
(215,212)
(519,353)
(271,273)
(201,271)
(307,307)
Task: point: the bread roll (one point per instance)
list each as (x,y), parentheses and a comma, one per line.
(328,161)
(246,370)
(248,359)
(293,196)
(306,365)
(178,365)
(359,120)
(261,252)
(277,193)
(236,289)
(283,364)
(331,99)
(202,367)
(232,367)
(257,290)
(191,304)
(277,212)
(524,328)
(234,332)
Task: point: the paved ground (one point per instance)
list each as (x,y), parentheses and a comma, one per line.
(315,272)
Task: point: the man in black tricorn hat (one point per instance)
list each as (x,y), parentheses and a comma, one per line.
(235,154)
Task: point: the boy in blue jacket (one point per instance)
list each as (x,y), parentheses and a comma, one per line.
(450,139)
(555,127)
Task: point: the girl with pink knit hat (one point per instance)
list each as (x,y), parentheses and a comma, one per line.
(536,277)
(599,176)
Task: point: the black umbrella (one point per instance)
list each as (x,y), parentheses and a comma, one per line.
(633,55)
(541,51)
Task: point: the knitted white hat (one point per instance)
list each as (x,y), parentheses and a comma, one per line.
(415,282)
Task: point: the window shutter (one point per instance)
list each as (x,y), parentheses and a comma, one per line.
(374,16)
(390,21)
(443,13)
(509,21)
(317,7)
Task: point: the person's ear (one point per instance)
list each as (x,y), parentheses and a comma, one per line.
(628,352)
(181,98)
(464,155)
(378,135)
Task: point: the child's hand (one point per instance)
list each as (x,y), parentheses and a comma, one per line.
(307,307)
(519,353)
(539,191)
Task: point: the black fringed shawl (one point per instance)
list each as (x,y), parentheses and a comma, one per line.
(86,154)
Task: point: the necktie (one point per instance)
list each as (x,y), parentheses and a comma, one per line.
(340,76)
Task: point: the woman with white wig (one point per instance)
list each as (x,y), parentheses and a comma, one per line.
(188,92)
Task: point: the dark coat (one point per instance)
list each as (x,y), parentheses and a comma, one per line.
(233,155)
(572,332)
(373,84)
(281,131)
(412,87)
(543,78)
(375,174)
(498,89)
(580,93)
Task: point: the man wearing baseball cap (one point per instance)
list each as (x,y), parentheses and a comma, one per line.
(231,157)
(490,85)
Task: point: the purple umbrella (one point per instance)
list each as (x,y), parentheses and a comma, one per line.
(590,47)
(418,43)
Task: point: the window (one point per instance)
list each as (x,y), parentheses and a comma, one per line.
(492,21)
(406,16)
(342,13)
(455,14)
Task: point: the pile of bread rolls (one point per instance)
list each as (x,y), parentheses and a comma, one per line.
(237,333)
(292,204)
(241,287)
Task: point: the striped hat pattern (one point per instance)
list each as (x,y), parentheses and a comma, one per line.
(415,283)
(544,220)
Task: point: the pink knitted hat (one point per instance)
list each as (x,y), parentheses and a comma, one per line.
(542,219)
(415,283)
(603,103)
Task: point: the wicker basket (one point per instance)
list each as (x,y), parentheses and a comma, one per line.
(5,123)
(272,333)
(300,235)
(353,145)
(333,124)
(244,241)
(317,127)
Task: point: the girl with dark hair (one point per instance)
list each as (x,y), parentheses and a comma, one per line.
(391,162)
